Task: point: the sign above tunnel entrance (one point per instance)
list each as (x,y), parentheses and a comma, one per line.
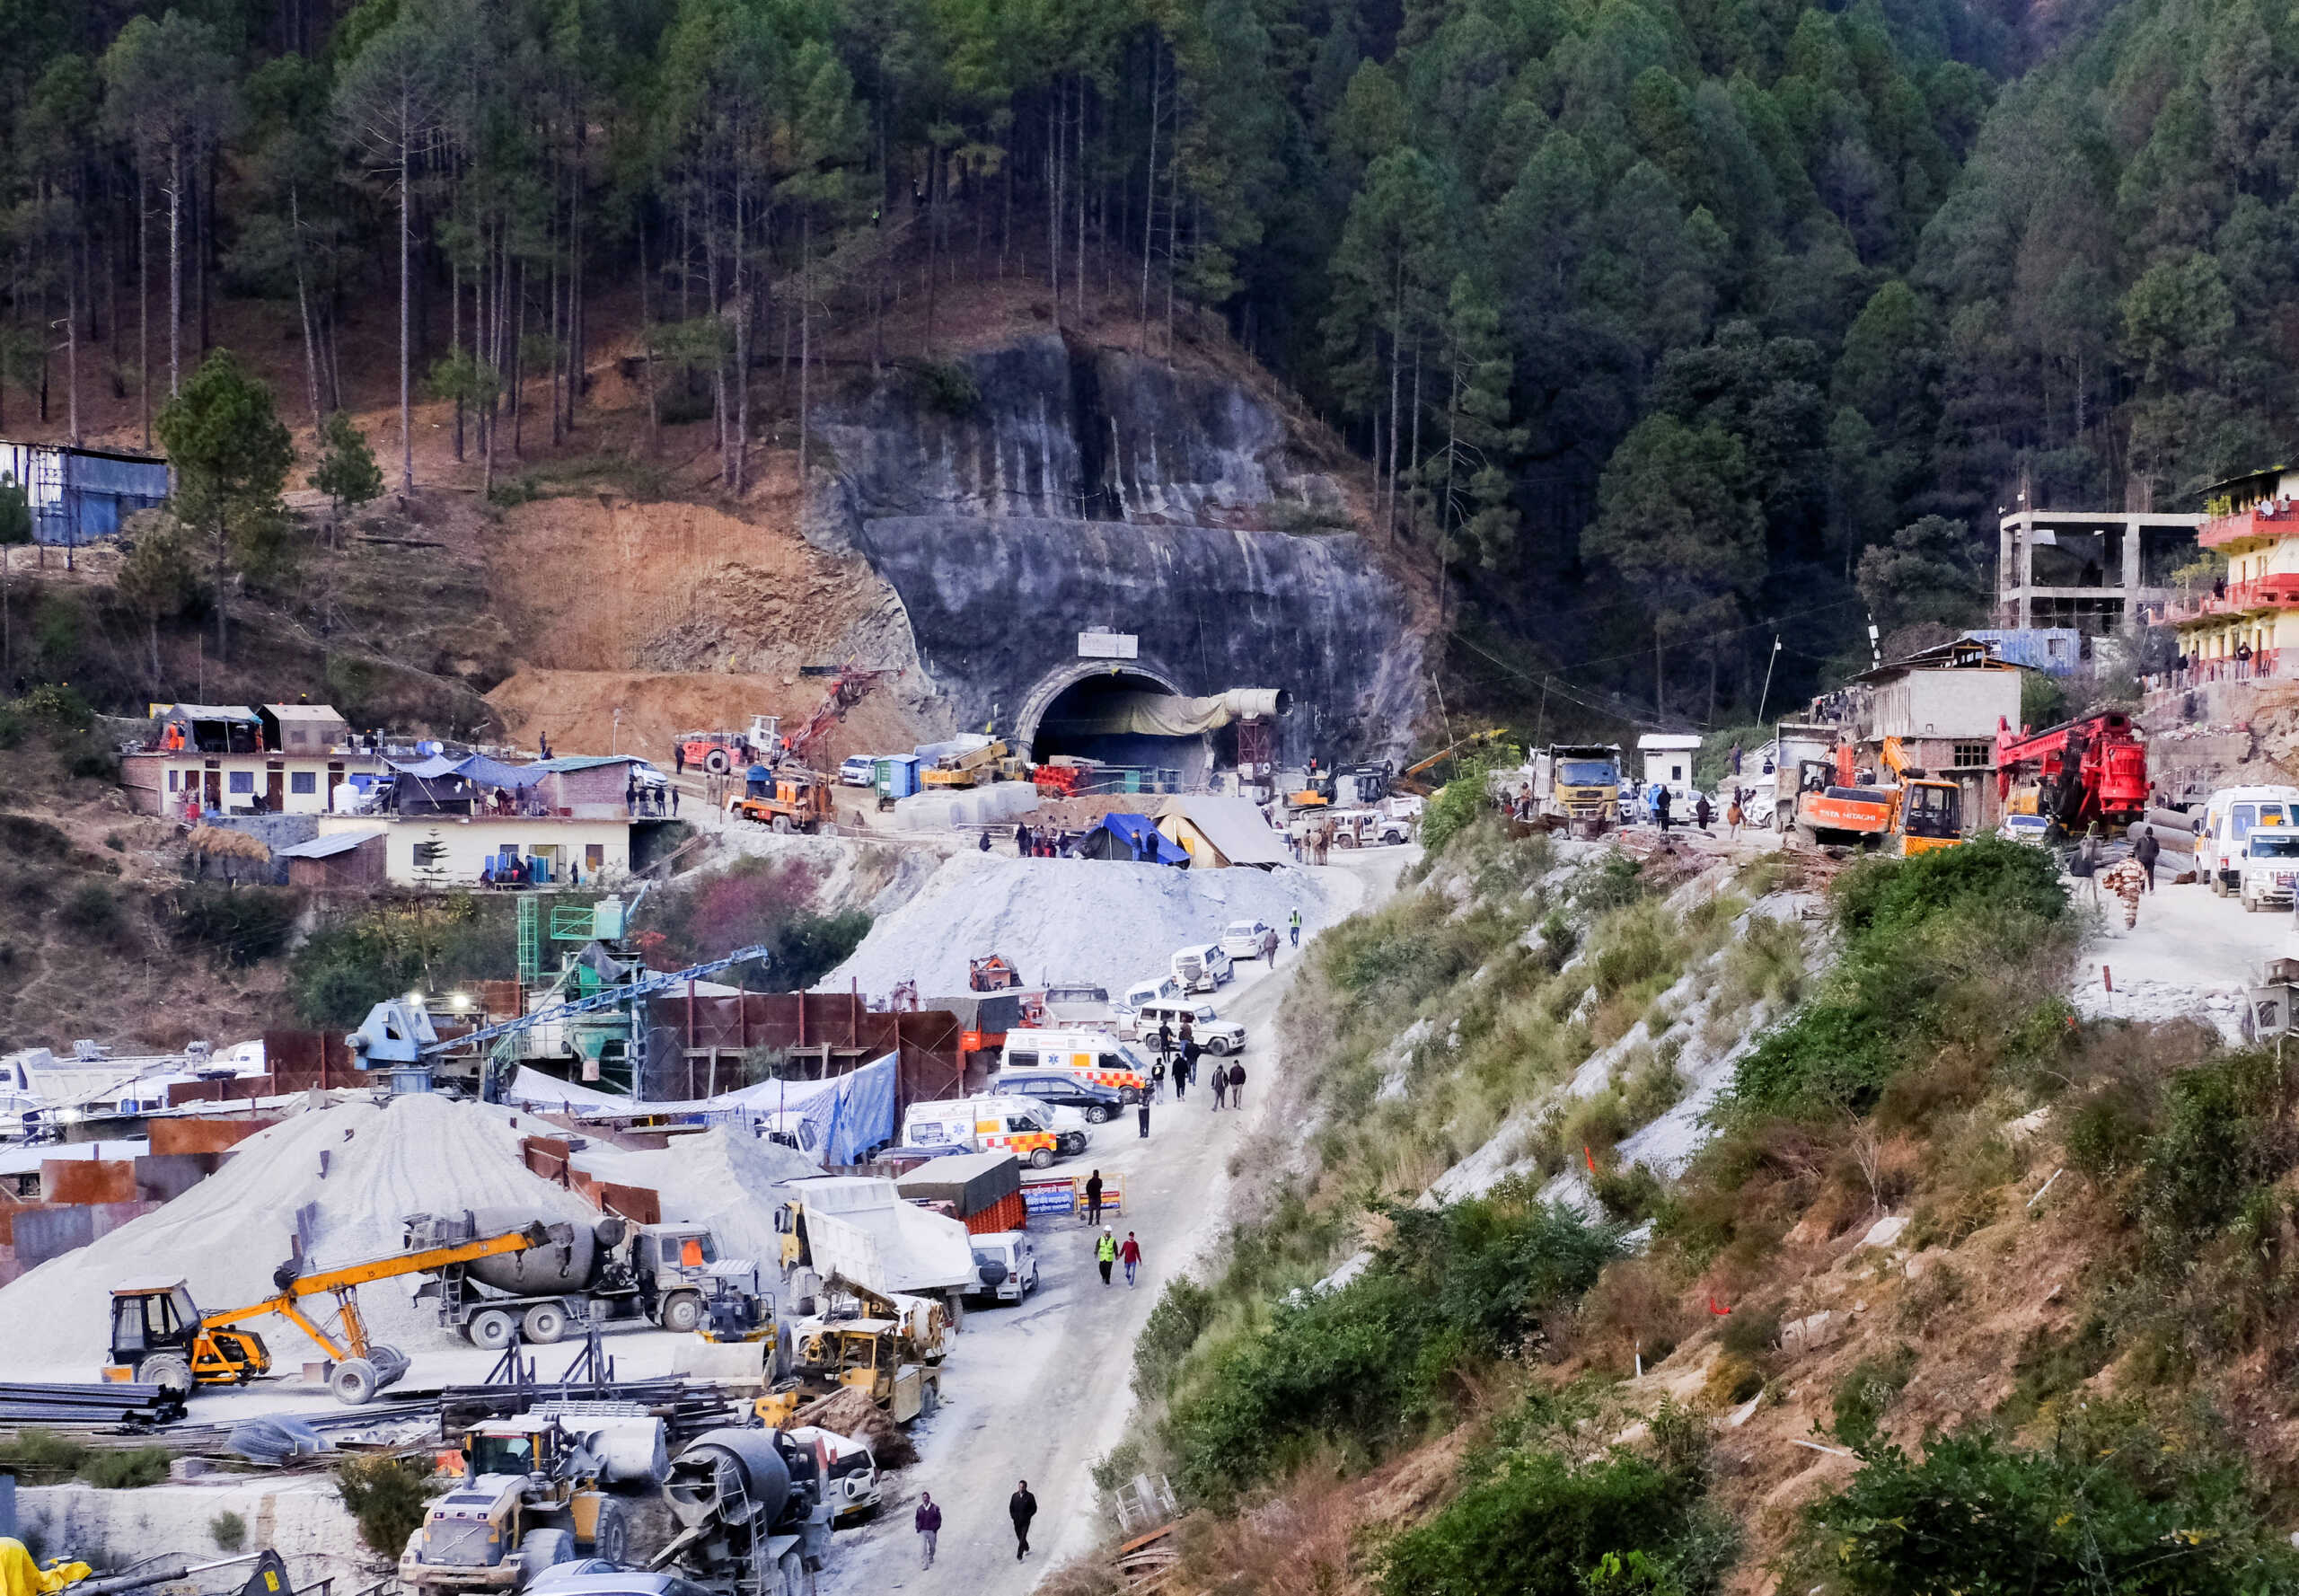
(1108,645)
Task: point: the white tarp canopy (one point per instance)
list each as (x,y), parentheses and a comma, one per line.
(1234,825)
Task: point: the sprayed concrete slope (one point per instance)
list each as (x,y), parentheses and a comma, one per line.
(1075,920)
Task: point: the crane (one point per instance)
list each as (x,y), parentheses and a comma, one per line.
(398,1032)
(1405,778)
(160,1336)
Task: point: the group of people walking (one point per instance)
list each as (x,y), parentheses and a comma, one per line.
(1180,1053)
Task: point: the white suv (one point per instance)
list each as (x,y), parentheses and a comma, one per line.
(1210,1032)
(1249,938)
(2270,863)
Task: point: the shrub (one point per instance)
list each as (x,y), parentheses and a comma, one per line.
(234,926)
(1359,1366)
(128,1470)
(1173,1329)
(345,969)
(228,1530)
(1865,1394)
(93,911)
(1630,1195)
(43,1456)
(386,1496)
(1539,1528)
(1933,947)
(60,707)
(1975,1515)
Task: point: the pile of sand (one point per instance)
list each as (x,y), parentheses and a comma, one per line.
(1073,920)
(723,1178)
(361,1168)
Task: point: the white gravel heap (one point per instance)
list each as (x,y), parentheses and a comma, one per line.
(1073,920)
(721,1177)
(224,1236)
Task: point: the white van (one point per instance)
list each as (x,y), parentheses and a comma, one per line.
(1005,1265)
(1003,1124)
(1201,966)
(1089,1055)
(2228,821)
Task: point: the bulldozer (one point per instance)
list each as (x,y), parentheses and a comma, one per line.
(160,1337)
(534,1494)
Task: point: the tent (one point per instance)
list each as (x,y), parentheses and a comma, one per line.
(851,1113)
(1129,838)
(1224,830)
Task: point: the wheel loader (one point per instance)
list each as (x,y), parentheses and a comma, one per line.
(534,1494)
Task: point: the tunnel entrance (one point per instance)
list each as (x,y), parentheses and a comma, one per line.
(1075,721)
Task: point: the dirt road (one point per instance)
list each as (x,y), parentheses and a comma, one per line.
(1040,1392)
(2191,954)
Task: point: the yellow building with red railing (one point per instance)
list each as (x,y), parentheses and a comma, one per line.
(2244,623)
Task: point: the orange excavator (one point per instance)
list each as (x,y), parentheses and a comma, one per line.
(1913,814)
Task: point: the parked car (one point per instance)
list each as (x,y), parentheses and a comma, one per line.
(1058,1088)
(1005,1265)
(1249,938)
(1202,967)
(1076,1004)
(2270,864)
(2228,818)
(1214,1034)
(859,770)
(851,1485)
(2034,830)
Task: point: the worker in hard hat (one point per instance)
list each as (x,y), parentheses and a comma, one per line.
(1106,1252)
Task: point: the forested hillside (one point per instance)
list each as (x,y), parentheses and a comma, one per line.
(1664,326)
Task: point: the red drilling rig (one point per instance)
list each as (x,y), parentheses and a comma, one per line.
(2084,769)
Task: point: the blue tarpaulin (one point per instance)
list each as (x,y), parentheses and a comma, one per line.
(1134,837)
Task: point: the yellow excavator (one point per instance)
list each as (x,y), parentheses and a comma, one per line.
(160,1337)
(1928,813)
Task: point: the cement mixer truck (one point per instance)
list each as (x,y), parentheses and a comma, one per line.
(753,1515)
(610,1268)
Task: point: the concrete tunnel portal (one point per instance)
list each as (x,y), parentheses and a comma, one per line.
(1135,714)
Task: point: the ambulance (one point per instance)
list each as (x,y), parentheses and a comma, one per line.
(1089,1055)
(990,1125)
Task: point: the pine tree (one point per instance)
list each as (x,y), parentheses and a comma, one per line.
(348,473)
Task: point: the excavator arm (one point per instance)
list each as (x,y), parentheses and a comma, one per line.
(345,1280)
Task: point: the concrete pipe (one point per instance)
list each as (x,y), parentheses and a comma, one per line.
(2172,820)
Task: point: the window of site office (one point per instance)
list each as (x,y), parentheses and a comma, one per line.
(305,783)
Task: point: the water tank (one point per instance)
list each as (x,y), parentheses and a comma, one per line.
(565,1264)
(731,1476)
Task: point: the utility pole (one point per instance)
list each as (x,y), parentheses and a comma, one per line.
(1772,660)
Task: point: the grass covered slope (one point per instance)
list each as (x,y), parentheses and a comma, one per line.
(2063,1369)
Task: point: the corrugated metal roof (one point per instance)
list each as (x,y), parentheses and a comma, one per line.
(585,761)
(327,846)
(303,711)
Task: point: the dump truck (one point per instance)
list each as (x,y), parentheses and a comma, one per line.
(610,1268)
(160,1337)
(537,1490)
(1576,787)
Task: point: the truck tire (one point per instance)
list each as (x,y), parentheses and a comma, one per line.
(715,762)
(681,1312)
(167,1371)
(1042,1159)
(611,1538)
(795,1581)
(354,1382)
(391,1365)
(489,1327)
(542,1549)
(783,1355)
(782,825)
(545,1323)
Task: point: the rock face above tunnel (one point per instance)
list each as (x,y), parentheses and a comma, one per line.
(1057,488)
(996,604)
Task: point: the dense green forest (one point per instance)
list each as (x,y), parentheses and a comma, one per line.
(1668,326)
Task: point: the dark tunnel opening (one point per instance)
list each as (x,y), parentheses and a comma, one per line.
(1074,724)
